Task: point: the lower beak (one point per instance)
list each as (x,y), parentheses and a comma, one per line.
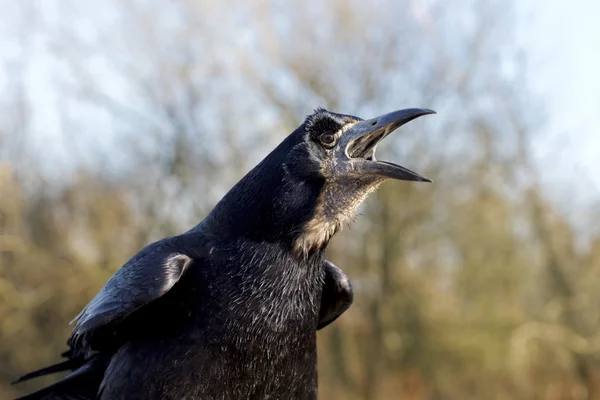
(364,137)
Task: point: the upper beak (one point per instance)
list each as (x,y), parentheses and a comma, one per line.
(364,136)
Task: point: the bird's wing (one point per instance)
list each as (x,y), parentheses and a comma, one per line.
(337,294)
(144,278)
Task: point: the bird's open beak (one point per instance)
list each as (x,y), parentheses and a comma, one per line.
(365,135)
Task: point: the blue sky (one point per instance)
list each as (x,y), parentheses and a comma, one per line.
(562,40)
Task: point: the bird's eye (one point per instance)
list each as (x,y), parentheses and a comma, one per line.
(327,139)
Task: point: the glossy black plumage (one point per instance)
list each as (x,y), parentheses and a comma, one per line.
(337,295)
(229,309)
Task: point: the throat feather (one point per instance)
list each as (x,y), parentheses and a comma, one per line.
(337,204)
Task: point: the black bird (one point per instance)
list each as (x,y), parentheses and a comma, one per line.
(230,309)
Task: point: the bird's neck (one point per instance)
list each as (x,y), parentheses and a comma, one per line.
(266,204)
(336,205)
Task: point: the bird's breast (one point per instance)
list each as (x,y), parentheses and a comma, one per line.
(241,325)
(254,292)
(254,328)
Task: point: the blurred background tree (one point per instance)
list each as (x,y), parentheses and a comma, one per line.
(125,121)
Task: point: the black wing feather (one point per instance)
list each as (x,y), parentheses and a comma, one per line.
(337,294)
(68,365)
(139,282)
(81,384)
(144,278)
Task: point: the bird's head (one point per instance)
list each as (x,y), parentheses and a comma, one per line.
(339,150)
(304,190)
(337,147)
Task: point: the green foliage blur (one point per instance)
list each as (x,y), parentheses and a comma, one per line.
(475,287)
